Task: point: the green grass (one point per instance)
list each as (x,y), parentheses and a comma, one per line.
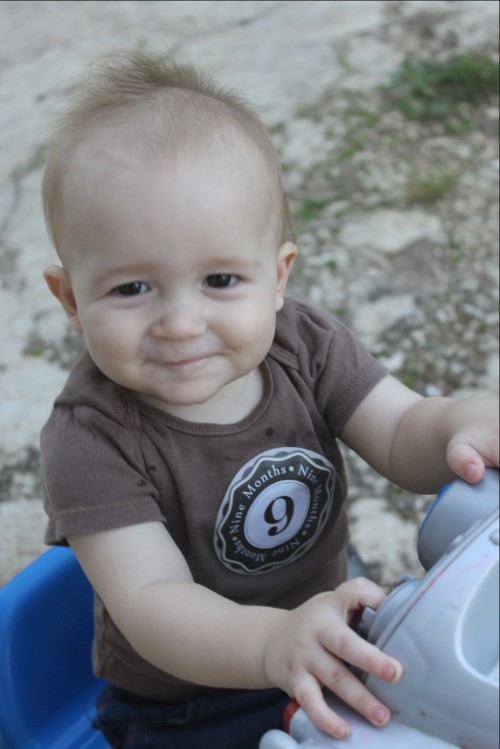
(312,208)
(427,90)
(331,265)
(355,145)
(429,188)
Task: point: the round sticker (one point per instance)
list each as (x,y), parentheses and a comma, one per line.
(274,510)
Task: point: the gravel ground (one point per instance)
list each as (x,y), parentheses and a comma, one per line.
(397,219)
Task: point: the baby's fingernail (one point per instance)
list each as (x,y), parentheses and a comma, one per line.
(391,672)
(470,471)
(380,715)
(342,732)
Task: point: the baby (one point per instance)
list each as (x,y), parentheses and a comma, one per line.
(192,459)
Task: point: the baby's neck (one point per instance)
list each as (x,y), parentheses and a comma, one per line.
(233,403)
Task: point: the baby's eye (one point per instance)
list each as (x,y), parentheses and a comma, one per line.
(221,280)
(132,289)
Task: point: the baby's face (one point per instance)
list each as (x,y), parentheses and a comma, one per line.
(177,276)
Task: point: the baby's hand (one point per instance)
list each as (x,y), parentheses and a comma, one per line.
(307,649)
(473,443)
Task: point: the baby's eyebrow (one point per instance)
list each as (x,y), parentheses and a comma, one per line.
(234,262)
(121,274)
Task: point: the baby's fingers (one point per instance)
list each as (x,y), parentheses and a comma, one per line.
(346,687)
(309,695)
(340,680)
(357,652)
(339,639)
(466,462)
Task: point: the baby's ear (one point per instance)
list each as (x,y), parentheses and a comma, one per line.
(286,256)
(59,285)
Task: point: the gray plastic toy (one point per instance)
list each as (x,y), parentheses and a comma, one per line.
(444,628)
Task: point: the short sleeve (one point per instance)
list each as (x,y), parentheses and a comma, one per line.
(93,473)
(333,362)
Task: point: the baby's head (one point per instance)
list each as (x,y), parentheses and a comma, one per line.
(164,199)
(150,108)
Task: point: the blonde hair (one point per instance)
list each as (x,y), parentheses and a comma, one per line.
(173,106)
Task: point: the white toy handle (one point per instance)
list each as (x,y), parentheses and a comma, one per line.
(277,740)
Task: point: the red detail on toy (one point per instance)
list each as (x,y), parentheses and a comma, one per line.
(288,714)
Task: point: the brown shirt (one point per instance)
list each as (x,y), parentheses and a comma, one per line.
(256,507)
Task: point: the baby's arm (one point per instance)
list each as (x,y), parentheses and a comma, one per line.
(195,634)
(421,443)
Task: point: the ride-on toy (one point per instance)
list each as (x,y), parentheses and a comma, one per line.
(443,628)
(47,688)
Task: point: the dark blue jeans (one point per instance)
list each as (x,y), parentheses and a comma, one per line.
(223,719)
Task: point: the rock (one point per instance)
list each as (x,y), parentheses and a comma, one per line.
(389,230)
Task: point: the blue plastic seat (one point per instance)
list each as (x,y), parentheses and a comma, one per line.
(47,689)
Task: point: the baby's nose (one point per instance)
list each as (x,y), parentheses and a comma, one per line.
(179,319)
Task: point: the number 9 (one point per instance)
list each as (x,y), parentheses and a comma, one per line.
(279,514)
